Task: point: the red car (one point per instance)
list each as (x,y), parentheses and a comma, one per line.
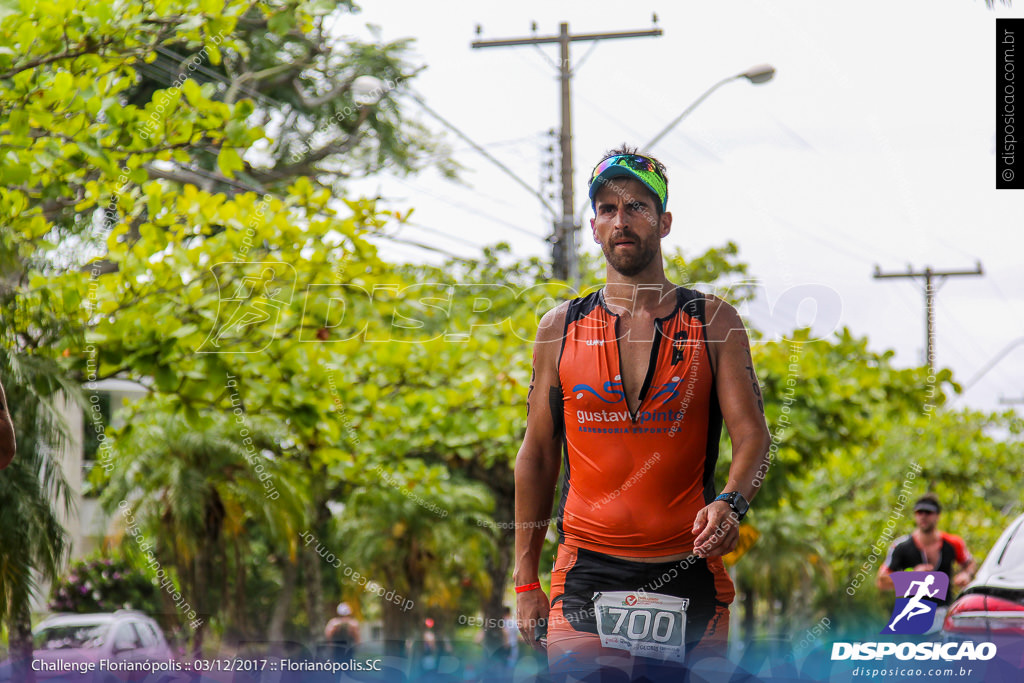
(991,608)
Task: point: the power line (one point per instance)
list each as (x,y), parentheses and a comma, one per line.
(443,234)
(401,252)
(453,202)
(476,192)
(992,363)
(1003,380)
(586,55)
(817,237)
(469,209)
(999,292)
(601,111)
(483,152)
(421,245)
(511,142)
(935,238)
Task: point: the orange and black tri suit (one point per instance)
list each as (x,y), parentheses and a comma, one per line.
(633,482)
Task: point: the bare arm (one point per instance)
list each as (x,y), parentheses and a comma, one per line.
(884,579)
(7,443)
(537,468)
(353,629)
(739,395)
(965,575)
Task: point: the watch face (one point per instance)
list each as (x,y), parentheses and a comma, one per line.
(741,504)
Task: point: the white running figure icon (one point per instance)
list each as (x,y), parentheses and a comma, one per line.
(914,607)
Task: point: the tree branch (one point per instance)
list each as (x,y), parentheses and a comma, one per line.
(187,177)
(237,83)
(42,61)
(46,60)
(338,91)
(307,166)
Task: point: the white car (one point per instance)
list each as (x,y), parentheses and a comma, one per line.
(991,608)
(64,642)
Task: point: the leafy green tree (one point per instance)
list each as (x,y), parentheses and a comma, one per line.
(33,495)
(97,102)
(299,72)
(76,148)
(258,353)
(444,388)
(414,532)
(224,278)
(72,148)
(90,143)
(194,487)
(824,395)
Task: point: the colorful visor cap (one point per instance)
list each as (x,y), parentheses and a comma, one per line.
(631,166)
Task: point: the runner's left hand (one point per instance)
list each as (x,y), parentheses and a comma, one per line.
(717,530)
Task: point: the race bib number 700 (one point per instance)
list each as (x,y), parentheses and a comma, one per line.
(645,624)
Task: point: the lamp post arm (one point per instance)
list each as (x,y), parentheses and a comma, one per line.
(696,103)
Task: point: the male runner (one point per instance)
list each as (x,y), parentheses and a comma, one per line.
(633,381)
(7,444)
(928,549)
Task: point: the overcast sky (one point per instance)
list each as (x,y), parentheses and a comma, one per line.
(874,144)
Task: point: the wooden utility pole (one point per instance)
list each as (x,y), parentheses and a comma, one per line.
(929,301)
(563,241)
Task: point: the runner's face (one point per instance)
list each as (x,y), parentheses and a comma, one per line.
(627,226)
(926,521)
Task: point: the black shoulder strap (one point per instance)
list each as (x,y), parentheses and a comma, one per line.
(694,304)
(577,310)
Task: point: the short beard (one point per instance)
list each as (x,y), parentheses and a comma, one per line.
(629,266)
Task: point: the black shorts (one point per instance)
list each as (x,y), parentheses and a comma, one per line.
(579,573)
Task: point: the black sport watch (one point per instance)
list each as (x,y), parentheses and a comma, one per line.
(736,501)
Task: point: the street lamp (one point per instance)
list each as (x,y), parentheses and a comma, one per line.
(761,73)
(368,90)
(756,75)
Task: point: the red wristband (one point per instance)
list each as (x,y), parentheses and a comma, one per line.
(528,587)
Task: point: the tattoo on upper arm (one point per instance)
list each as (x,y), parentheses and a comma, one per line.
(757,389)
(529,393)
(753,381)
